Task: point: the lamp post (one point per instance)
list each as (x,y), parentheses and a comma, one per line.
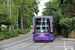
(10,15)
(17,18)
(8,2)
(10,11)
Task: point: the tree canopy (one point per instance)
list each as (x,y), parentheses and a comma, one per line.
(62,12)
(25,13)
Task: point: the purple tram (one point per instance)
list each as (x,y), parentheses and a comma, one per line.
(43,28)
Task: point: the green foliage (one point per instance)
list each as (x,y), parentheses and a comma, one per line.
(63,13)
(68,31)
(63,31)
(55,12)
(69,11)
(23,31)
(27,22)
(1,36)
(3,12)
(74,30)
(16,33)
(68,25)
(13,33)
(10,34)
(26,12)
(67,7)
(7,34)
(64,3)
(73,22)
(23,12)
(66,22)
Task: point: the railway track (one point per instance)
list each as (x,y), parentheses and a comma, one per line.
(42,46)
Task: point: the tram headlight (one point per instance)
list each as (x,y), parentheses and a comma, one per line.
(42,31)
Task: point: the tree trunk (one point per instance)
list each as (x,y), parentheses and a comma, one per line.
(21,20)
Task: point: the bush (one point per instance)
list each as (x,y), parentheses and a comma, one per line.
(7,35)
(74,30)
(19,31)
(5,29)
(67,26)
(67,32)
(73,22)
(13,33)
(62,32)
(2,36)
(24,31)
(67,22)
(10,34)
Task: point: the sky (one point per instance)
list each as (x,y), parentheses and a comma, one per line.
(42,2)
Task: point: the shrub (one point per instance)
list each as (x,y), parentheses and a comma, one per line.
(62,31)
(2,36)
(5,29)
(73,22)
(23,31)
(8,34)
(19,31)
(67,25)
(13,33)
(74,30)
(67,22)
(27,30)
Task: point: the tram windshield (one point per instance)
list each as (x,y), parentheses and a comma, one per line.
(42,24)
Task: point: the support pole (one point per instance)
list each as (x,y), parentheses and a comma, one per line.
(10,15)
(17,18)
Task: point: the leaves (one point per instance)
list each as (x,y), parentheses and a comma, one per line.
(26,12)
(63,12)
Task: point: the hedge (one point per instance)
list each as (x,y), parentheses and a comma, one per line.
(2,36)
(13,33)
(67,24)
(24,31)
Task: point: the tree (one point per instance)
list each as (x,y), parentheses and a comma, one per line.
(67,7)
(26,11)
(4,18)
(63,13)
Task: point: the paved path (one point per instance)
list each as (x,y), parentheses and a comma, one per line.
(65,39)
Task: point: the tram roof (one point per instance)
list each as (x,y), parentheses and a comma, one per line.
(42,16)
